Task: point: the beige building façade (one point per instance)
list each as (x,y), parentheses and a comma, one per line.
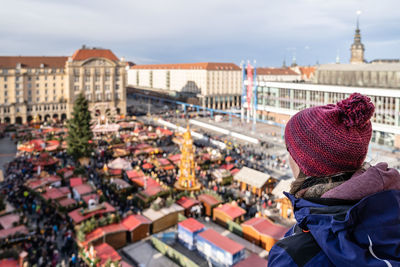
(46,87)
(217,85)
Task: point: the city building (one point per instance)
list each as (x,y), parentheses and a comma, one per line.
(378,73)
(277,75)
(45,87)
(215,85)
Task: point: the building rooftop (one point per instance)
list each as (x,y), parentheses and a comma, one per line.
(133,221)
(32,62)
(199,65)
(192,225)
(267,227)
(221,241)
(361,67)
(78,217)
(231,210)
(105,252)
(86,53)
(275,71)
(252,177)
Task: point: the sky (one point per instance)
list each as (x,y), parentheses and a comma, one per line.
(174,31)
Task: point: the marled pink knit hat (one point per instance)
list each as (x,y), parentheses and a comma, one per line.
(329,139)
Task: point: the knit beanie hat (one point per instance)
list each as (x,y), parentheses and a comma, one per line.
(325,140)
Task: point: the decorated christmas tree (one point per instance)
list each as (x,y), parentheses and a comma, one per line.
(79,131)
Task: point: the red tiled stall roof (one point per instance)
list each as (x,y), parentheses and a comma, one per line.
(105,252)
(75,181)
(266,227)
(133,221)
(134,174)
(9,263)
(11,231)
(83,189)
(253,260)
(77,217)
(83,54)
(231,210)
(66,202)
(54,193)
(32,62)
(147,166)
(192,225)
(140,181)
(197,65)
(210,200)
(221,241)
(187,202)
(90,196)
(7,221)
(152,190)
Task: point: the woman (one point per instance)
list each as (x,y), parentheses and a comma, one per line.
(348,213)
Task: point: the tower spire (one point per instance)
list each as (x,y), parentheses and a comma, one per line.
(357,48)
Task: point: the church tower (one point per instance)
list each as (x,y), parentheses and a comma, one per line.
(357,48)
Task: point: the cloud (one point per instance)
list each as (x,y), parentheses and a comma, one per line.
(180,30)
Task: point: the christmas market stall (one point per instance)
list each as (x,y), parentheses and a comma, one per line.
(228,212)
(220,250)
(262,231)
(187,232)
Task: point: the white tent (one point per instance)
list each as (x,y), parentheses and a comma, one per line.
(282,186)
(119,163)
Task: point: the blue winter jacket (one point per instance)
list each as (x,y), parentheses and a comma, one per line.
(335,233)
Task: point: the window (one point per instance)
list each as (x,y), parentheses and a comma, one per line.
(97,78)
(45,99)
(29,78)
(87,79)
(5,86)
(117,96)
(5,100)
(37,78)
(107,87)
(76,88)
(45,77)
(89,97)
(108,96)
(29,92)
(37,85)
(17,93)
(5,71)
(37,92)
(98,97)
(107,78)
(29,85)
(97,87)
(17,78)
(54,85)
(54,91)
(5,79)
(17,85)
(45,91)
(87,87)
(76,78)
(117,78)
(116,86)
(5,93)
(54,98)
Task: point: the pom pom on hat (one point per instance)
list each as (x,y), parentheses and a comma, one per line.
(356,110)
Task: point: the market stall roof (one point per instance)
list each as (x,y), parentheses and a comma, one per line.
(7,221)
(209,199)
(36,145)
(102,231)
(78,217)
(152,190)
(252,260)
(120,163)
(187,202)
(36,183)
(266,227)
(252,177)
(89,197)
(52,145)
(44,160)
(221,241)
(83,189)
(9,263)
(282,186)
(232,211)
(66,202)
(141,181)
(133,221)
(147,166)
(75,181)
(192,225)
(121,184)
(55,193)
(105,128)
(105,252)
(12,231)
(175,158)
(154,215)
(134,174)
